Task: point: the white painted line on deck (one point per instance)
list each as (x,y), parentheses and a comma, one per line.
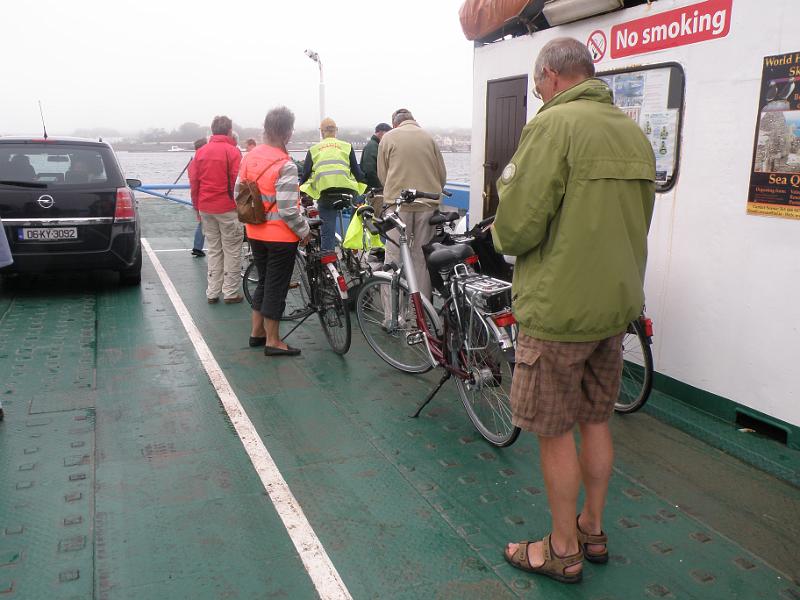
(323,574)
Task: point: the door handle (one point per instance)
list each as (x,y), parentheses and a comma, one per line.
(490,165)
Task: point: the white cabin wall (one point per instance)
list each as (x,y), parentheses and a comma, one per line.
(723,287)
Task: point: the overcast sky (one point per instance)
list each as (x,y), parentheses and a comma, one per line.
(144,63)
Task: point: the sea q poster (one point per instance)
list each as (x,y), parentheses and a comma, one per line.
(775,177)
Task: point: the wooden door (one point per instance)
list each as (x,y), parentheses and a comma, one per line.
(506,115)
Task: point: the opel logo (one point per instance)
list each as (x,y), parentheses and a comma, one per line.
(46,201)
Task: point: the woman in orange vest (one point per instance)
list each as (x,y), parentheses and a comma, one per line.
(275,241)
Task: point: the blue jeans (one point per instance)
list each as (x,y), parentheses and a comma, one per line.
(329,217)
(199,238)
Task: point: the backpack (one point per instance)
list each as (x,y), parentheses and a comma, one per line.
(249,207)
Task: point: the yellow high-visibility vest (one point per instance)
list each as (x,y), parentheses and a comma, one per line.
(331,169)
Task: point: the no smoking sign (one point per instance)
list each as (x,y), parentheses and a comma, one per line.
(597,45)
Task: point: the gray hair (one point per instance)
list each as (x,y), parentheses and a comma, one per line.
(400,115)
(278,124)
(566,56)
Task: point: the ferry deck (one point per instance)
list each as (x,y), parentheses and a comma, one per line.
(148,452)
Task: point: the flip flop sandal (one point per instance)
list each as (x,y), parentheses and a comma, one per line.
(587,539)
(554,566)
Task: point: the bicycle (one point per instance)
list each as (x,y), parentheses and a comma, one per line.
(356,265)
(323,290)
(471,336)
(637,370)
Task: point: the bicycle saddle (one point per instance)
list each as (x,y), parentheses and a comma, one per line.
(337,200)
(314,223)
(440,218)
(444,258)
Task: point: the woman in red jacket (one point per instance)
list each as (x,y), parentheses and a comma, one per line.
(275,241)
(212,174)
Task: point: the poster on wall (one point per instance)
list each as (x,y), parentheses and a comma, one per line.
(661,129)
(775,175)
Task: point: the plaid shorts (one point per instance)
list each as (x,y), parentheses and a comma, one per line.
(559,384)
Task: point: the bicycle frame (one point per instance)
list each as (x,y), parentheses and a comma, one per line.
(436,347)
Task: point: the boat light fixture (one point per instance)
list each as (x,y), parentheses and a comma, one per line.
(558,12)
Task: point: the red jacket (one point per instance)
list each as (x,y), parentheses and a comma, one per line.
(212,175)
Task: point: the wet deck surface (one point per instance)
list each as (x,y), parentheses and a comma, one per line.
(121,475)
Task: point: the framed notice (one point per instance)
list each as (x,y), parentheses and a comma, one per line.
(775,174)
(653,97)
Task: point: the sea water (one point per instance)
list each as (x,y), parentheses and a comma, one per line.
(165,167)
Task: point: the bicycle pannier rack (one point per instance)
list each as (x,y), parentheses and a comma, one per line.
(487,293)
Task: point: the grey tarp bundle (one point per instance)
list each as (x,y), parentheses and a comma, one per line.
(5,251)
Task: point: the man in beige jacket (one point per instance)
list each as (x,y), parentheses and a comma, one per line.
(408,158)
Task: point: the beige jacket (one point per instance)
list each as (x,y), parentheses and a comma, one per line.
(408,158)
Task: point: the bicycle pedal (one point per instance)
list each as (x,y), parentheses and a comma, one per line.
(414,338)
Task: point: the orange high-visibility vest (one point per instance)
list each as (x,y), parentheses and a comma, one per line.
(274,229)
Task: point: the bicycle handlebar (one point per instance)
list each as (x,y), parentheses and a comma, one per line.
(367,214)
(371,227)
(408,196)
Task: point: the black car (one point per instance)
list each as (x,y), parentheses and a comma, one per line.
(65,204)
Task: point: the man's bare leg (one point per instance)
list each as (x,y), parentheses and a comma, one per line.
(562,479)
(596,460)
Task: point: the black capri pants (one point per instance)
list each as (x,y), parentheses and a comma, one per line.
(274,263)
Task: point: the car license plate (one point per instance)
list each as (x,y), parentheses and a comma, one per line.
(47,234)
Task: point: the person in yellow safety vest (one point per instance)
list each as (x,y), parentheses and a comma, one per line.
(330,169)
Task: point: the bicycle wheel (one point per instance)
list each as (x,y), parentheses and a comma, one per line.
(487,394)
(246,256)
(297,297)
(637,370)
(373,311)
(334,315)
(249,282)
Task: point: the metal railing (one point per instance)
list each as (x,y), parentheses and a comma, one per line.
(151,188)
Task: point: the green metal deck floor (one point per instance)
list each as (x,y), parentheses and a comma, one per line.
(121,475)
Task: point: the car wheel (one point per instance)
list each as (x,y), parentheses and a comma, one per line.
(133,275)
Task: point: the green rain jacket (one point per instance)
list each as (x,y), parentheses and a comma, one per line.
(575,207)
(369,162)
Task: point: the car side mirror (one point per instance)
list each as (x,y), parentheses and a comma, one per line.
(134,183)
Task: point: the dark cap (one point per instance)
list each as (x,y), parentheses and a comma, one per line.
(382,127)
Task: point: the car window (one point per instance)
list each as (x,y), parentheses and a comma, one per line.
(57,165)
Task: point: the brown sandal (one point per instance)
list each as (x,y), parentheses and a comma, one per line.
(587,539)
(554,566)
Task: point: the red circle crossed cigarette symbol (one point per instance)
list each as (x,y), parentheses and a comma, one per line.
(597,45)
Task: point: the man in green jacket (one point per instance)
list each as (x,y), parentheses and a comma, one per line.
(575,207)
(369,164)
